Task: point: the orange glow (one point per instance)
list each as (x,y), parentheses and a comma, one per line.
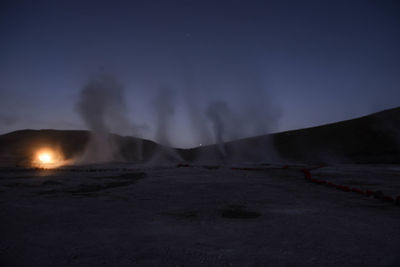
(48,158)
(45,158)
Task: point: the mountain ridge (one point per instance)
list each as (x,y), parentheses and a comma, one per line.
(373,138)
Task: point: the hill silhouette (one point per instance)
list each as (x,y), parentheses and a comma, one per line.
(370,139)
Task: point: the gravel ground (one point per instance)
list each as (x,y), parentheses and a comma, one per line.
(196,216)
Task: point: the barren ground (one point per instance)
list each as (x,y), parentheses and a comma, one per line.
(196,216)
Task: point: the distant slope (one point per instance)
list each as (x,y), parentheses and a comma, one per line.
(371,139)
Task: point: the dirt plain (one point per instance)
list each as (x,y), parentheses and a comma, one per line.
(130,215)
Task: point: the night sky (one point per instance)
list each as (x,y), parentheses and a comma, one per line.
(278,64)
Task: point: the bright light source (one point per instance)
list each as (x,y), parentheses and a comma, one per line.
(49,158)
(45,158)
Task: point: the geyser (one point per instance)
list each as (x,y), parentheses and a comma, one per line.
(102,107)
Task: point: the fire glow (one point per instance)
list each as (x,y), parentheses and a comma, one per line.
(48,158)
(45,158)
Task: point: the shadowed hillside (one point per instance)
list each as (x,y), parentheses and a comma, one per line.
(370,139)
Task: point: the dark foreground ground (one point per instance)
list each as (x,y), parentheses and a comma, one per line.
(194,216)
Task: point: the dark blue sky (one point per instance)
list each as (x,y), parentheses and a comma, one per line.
(287,64)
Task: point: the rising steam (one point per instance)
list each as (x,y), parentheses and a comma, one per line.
(220,117)
(164,107)
(102,108)
(229,125)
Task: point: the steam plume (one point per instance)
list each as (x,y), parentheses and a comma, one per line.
(164,107)
(102,107)
(218,113)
